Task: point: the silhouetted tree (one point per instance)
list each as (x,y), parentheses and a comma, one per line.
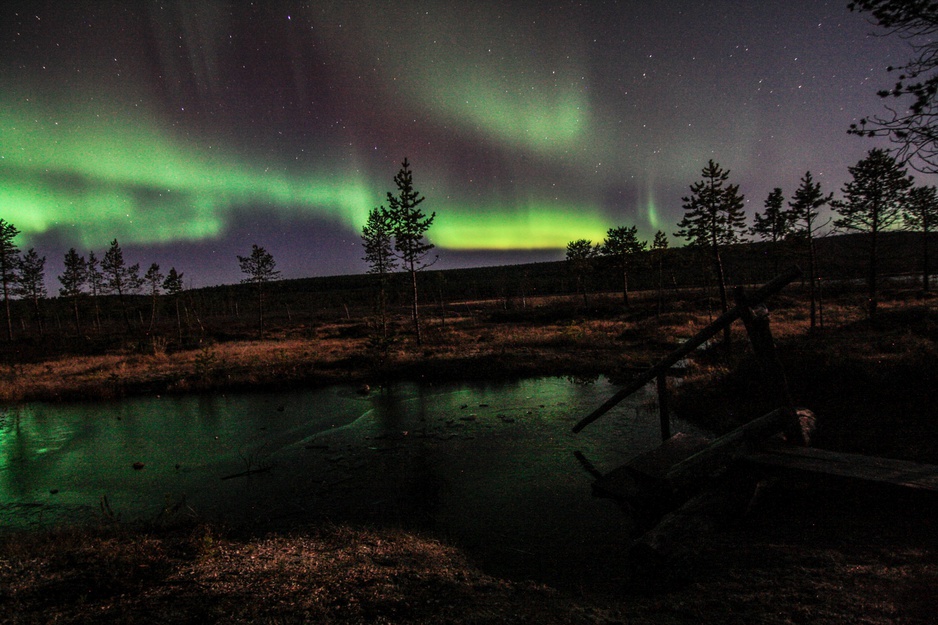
(803,211)
(377,238)
(31,283)
(73,280)
(921,215)
(154,280)
(622,243)
(774,222)
(9,264)
(119,278)
(658,245)
(580,255)
(873,202)
(714,218)
(173,285)
(911,126)
(96,282)
(409,225)
(260,268)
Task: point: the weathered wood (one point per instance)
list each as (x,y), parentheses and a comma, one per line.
(855,466)
(690,345)
(677,532)
(649,467)
(763,345)
(725,449)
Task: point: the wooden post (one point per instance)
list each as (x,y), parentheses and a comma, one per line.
(760,335)
(689,346)
(663,413)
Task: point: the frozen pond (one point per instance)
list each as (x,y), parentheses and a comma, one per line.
(488,465)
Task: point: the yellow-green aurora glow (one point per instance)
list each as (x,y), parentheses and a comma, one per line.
(208,125)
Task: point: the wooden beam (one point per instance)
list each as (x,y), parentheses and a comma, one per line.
(690,345)
(855,466)
(725,449)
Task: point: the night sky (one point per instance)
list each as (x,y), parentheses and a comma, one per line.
(189,130)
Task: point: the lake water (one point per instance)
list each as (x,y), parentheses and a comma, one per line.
(489,466)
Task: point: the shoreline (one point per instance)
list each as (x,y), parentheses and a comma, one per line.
(804,551)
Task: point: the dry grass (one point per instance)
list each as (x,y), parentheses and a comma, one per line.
(324,575)
(803,553)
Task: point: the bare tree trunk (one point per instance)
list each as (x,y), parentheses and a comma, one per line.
(721,283)
(625,285)
(812,280)
(926,278)
(413,309)
(77,320)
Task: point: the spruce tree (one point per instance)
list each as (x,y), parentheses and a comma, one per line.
(873,202)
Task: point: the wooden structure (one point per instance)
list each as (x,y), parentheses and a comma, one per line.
(663,487)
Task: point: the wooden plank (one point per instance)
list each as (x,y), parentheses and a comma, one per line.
(724,450)
(690,345)
(886,470)
(650,466)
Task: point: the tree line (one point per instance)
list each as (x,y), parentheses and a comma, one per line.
(880,196)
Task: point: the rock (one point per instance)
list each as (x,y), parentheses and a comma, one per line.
(137,466)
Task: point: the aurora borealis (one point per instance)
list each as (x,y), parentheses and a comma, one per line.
(190,130)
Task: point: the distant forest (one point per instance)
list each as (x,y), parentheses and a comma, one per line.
(220,313)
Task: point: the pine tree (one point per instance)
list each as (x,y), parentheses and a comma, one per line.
(378,238)
(73,280)
(803,211)
(658,245)
(921,215)
(173,285)
(580,255)
(873,202)
(622,243)
(410,224)
(154,279)
(260,268)
(96,282)
(30,283)
(911,124)
(119,278)
(713,219)
(9,264)
(773,223)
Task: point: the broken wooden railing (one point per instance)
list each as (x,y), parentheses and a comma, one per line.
(693,343)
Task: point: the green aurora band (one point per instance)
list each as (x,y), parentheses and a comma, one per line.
(97,175)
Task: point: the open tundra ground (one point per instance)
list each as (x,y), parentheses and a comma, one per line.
(802,551)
